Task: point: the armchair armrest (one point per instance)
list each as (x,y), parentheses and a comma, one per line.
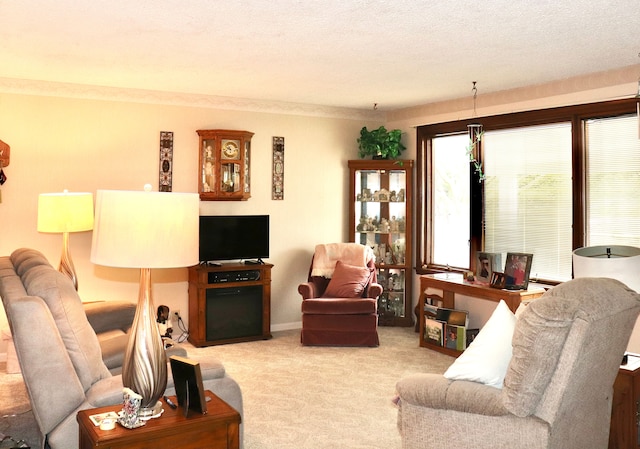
(373,290)
(109,315)
(435,391)
(308,290)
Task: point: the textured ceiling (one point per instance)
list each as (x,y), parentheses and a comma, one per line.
(345,53)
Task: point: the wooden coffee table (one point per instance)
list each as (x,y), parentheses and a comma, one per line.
(218,429)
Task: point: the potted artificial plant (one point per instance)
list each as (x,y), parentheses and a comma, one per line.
(380,143)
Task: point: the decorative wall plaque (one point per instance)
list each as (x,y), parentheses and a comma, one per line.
(277,192)
(166,161)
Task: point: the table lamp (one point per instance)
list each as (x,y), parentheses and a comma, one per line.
(65,212)
(145,230)
(615,261)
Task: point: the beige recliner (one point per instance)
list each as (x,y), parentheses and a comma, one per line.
(59,352)
(558,389)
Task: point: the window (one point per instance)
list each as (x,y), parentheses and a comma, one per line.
(527,196)
(450,201)
(556,180)
(613,181)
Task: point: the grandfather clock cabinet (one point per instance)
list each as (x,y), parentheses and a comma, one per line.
(224,165)
(380,216)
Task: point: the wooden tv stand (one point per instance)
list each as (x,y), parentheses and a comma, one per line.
(451,284)
(229,303)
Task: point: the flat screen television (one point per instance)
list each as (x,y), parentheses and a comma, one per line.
(234,237)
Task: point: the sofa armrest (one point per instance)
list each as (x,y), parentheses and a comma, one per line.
(108,315)
(374,290)
(434,391)
(308,290)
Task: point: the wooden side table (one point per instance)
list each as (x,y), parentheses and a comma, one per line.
(452,284)
(218,429)
(626,406)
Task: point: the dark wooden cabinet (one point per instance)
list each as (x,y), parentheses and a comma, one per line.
(625,409)
(229,303)
(380,216)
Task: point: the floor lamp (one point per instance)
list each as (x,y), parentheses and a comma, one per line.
(145,230)
(65,212)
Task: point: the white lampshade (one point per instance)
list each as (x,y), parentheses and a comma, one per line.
(615,261)
(142,229)
(65,212)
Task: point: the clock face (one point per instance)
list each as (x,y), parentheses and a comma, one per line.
(230,149)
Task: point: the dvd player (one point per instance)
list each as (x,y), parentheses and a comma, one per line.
(217,277)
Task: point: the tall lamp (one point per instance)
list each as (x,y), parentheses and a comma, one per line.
(65,212)
(615,261)
(145,230)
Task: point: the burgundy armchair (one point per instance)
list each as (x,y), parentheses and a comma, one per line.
(339,304)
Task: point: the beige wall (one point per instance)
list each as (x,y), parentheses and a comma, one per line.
(71,142)
(83,145)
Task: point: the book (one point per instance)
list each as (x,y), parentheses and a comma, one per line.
(434,331)
(471,335)
(456,337)
(453,316)
(187,378)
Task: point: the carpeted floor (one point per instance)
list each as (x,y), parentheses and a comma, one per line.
(298,397)
(16,418)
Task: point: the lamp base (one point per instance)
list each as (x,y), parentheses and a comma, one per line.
(146,413)
(144,369)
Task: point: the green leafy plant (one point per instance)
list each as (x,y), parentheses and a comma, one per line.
(471,152)
(380,143)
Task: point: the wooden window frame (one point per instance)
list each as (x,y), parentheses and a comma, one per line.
(576,115)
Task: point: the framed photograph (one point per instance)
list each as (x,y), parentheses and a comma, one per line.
(487,264)
(497,279)
(516,271)
(187,378)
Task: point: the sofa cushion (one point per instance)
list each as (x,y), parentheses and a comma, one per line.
(339,306)
(63,301)
(487,357)
(347,281)
(24,259)
(444,394)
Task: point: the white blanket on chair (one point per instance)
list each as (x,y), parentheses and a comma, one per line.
(326,256)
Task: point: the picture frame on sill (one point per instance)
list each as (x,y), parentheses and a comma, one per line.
(516,271)
(497,279)
(487,264)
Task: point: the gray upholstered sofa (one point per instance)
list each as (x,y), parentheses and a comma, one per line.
(111,321)
(567,348)
(59,352)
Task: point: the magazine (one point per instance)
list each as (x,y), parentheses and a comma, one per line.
(434,331)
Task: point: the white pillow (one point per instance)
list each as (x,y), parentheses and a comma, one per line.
(487,358)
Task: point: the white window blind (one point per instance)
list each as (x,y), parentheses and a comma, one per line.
(528,196)
(613,181)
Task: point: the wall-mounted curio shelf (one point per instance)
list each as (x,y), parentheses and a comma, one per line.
(224,164)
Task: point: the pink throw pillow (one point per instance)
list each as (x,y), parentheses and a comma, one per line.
(348,281)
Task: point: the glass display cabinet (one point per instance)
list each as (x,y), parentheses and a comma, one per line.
(224,164)
(380,207)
